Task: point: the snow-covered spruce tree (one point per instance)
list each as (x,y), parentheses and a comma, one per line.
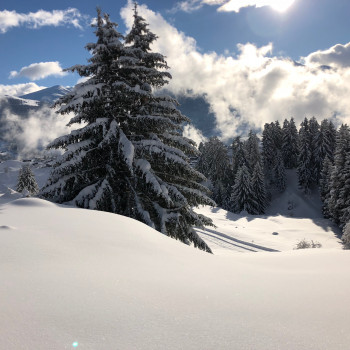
(277,134)
(252,152)
(26,183)
(258,189)
(269,150)
(339,178)
(238,155)
(331,136)
(242,196)
(290,144)
(325,186)
(320,149)
(305,157)
(346,236)
(215,165)
(279,172)
(345,192)
(316,158)
(130,158)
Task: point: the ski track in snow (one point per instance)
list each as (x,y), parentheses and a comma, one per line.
(217,237)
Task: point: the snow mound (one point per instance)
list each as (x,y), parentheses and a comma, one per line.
(32,202)
(103,281)
(7,194)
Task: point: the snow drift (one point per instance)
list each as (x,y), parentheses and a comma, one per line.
(108,282)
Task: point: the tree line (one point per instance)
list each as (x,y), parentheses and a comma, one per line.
(243,175)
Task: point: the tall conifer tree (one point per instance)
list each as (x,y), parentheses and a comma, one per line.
(130,158)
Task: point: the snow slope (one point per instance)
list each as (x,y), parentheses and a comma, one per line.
(255,233)
(108,282)
(48,95)
(294,202)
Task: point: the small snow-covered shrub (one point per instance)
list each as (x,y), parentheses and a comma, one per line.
(304,244)
(346,235)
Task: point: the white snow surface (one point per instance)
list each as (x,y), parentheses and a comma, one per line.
(109,282)
(256,233)
(102,281)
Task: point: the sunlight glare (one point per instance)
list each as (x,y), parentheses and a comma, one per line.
(281,5)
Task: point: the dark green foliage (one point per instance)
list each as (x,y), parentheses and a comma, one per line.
(305,173)
(290,144)
(338,203)
(26,183)
(215,165)
(258,189)
(325,186)
(130,158)
(279,173)
(242,196)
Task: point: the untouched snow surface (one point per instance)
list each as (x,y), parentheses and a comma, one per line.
(108,282)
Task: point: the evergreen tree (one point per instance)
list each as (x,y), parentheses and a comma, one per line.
(215,165)
(344,194)
(290,144)
(269,150)
(304,157)
(277,134)
(346,235)
(242,193)
(238,155)
(258,189)
(325,186)
(279,172)
(26,183)
(131,157)
(339,178)
(252,152)
(331,135)
(316,158)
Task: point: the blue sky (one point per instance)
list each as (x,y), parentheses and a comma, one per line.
(248,50)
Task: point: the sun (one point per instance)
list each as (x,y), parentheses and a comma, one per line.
(281,5)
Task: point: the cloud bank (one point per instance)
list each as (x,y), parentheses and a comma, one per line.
(35,131)
(251,88)
(338,55)
(36,71)
(68,17)
(230,5)
(19,89)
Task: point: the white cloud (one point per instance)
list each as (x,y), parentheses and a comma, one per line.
(70,16)
(251,88)
(19,89)
(194,134)
(338,55)
(35,131)
(36,71)
(231,5)
(194,5)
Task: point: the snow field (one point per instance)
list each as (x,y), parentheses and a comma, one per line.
(109,282)
(248,233)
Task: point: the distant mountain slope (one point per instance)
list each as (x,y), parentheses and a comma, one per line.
(48,95)
(15,109)
(17,105)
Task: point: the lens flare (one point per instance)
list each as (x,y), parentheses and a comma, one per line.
(281,5)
